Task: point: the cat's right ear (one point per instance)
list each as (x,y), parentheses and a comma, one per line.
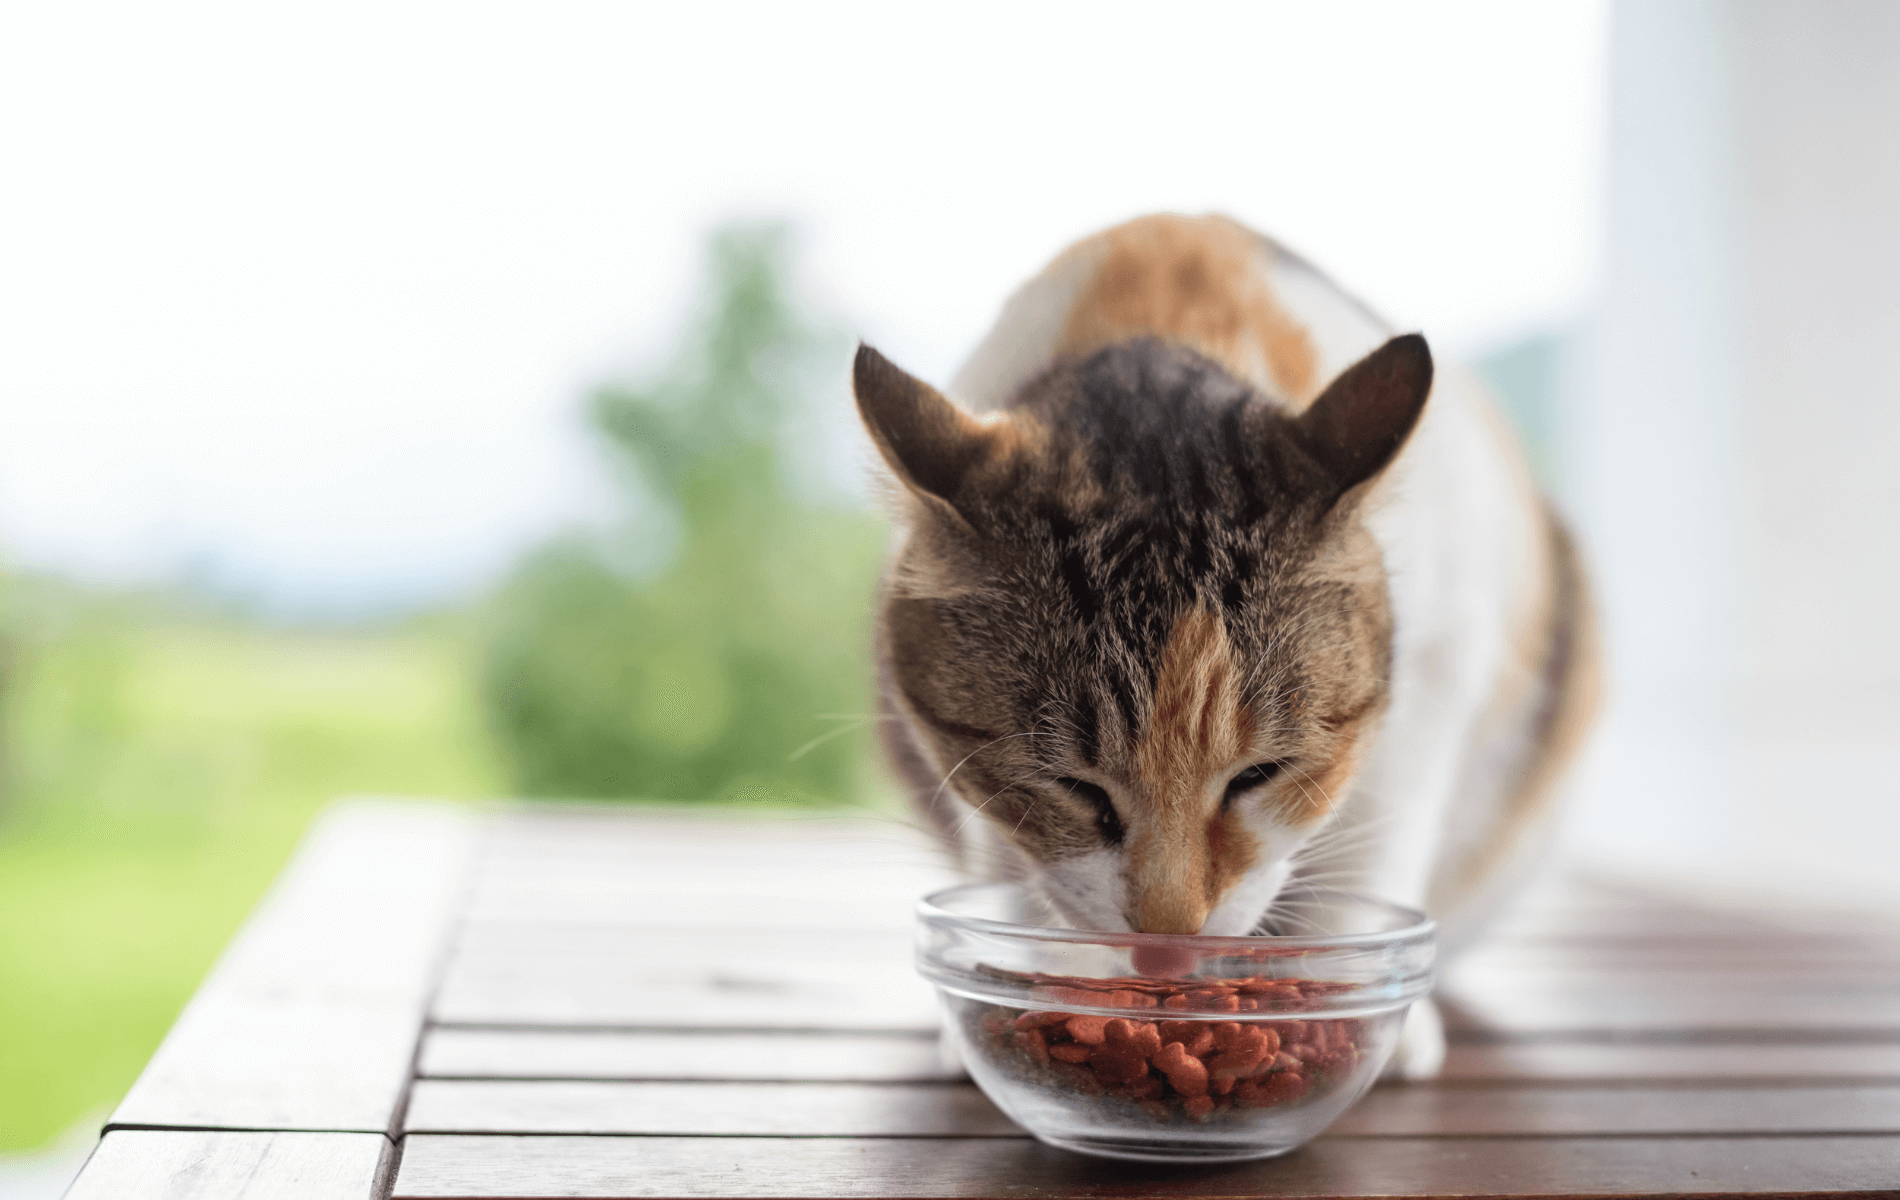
(1359,423)
(930,444)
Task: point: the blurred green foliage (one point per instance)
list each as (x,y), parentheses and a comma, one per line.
(159,761)
(160,765)
(716,644)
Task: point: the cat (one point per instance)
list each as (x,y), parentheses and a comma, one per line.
(1205,584)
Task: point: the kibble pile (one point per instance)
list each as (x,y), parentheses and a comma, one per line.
(1197,1068)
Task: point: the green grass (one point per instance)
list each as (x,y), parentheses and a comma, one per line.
(160,769)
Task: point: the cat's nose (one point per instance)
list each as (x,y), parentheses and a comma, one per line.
(1169,910)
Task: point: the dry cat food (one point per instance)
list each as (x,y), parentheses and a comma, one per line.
(1168,1065)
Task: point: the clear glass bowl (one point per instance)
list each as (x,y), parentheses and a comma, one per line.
(1173,1048)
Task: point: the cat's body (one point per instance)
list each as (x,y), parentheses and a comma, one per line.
(1180,613)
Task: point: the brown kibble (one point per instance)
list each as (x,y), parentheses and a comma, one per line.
(1076,1078)
(1240,1054)
(1197,1036)
(1032,1041)
(1214,1000)
(1269,1090)
(1056,993)
(1148,1087)
(1133,1037)
(1117,1066)
(1174,1067)
(1087,1030)
(1187,1073)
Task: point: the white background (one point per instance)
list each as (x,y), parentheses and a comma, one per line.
(303,300)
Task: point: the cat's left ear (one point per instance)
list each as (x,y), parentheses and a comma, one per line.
(1361,420)
(929,443)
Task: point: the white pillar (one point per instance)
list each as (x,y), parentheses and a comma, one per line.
(1735,442)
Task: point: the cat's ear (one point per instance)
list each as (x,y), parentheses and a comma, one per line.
(1362,419)
(931,445)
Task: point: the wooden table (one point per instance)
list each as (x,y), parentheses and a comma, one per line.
(598,1002)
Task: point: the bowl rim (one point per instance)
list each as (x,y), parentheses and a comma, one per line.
(930,911)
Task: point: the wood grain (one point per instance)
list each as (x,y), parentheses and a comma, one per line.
(1524,1000)
(784,986)
(449,1053)
(310,1019)
(896,1001)
(545,945)
(1527,1110)
(770,848)
(658,1003)
(764,912)
(959,1110)
(438,1166)
(170,1164)
(706,1109)
(574,1054)
(1602,1062)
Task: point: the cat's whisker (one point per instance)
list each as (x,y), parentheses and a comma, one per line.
(1009,786)
(827,736)
(937,795)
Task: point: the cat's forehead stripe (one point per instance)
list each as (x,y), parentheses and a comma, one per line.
(1197,724)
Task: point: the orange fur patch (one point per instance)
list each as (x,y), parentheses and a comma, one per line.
(1196,281)
(1183,858)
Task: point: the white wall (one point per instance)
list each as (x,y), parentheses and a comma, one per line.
(1736,444)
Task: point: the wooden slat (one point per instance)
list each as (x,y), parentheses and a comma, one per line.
(1601,1062)
(1701,952)
(900,1005)
(1570,909)
(775,979)
(526,839)
(542,945)
(311,1018)
(1540,1001)
(1527,1110)
(959,1110)
(172,1164)
(701,1109)
(439,1166)
(450,1053)
(784,990)
(567,1054)
(703,868)
(763,912)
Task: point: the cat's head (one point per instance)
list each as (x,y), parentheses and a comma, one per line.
(1137,619)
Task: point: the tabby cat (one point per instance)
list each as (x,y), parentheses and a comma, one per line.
(1205,585)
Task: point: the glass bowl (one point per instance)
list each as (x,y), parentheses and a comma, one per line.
(1173,1048)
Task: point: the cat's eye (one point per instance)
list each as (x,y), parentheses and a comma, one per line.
(1247,780)
(1106,817)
